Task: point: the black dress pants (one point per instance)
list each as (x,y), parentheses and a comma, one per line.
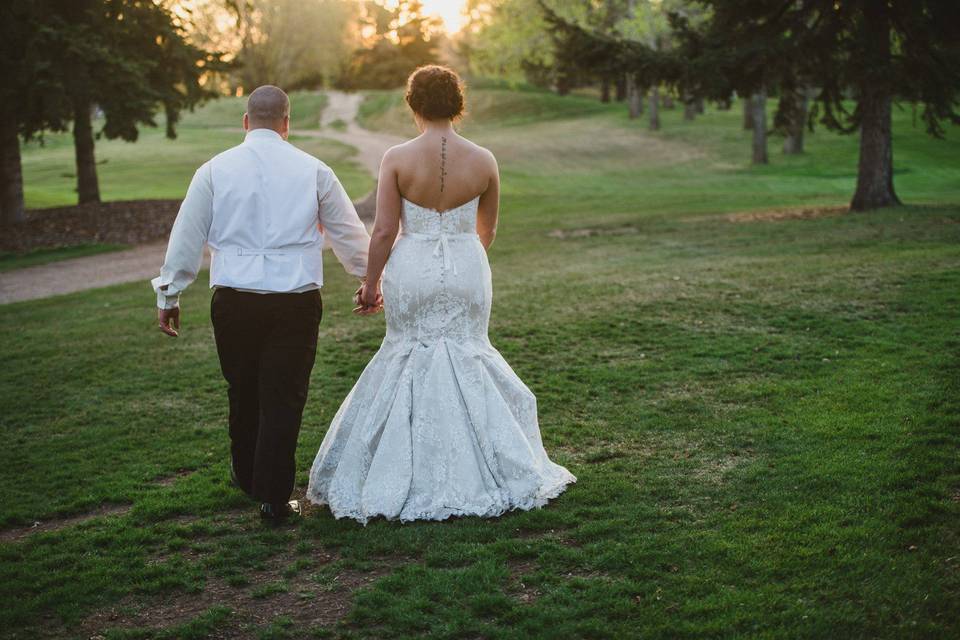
(267,344)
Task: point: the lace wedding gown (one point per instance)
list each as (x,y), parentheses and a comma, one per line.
(438,424)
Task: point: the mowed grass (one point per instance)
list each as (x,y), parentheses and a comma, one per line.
(155,167)
(763,417)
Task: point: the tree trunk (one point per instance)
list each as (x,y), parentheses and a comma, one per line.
(699,106)
(654,108)
(798,109)
(605,90)
(875,171)
(747,114)
(11,173)
(88,189)
(689,108)
(668,101)
(634,97)
(621,93)
(759,118)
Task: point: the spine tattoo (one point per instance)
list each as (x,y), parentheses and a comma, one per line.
(443,161)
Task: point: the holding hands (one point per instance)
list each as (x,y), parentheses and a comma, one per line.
(368,298)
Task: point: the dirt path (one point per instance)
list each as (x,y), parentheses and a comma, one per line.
(78,274)
(143,262)
(371,145)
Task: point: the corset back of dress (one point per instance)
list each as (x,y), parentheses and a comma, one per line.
(461,219)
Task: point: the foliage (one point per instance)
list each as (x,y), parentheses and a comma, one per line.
(508,39)
(30,89)
(294,43)
(400,39)
(127,57)
(829,44)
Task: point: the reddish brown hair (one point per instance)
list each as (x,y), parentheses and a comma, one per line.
(435,93)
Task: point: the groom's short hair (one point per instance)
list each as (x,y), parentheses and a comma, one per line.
(268,105)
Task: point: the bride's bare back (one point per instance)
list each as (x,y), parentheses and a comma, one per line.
(438,170)
(442,170)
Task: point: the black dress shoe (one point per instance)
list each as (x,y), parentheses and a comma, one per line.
(279,511)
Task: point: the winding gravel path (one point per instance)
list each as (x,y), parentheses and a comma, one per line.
(370,145)
(143,262)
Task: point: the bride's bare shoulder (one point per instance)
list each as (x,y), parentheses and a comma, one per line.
(399,152)
(481,154)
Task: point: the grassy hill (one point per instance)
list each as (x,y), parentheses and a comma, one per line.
(757,392)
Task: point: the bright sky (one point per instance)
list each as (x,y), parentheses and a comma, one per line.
(450,11)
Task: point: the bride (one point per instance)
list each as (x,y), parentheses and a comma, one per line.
(438,424)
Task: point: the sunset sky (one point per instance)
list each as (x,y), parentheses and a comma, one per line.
(448,10)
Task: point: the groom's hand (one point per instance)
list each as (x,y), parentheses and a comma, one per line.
(169,320)
(368,299)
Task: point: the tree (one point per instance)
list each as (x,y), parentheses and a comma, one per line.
(128,58)
(872,52)
(290,43)
(792,113)
(401,40)
(590,50)
(758,116)
(31,96)
(509,39)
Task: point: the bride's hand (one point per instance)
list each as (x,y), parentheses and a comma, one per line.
(369,299)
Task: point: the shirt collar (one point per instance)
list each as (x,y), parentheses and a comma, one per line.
(262,134)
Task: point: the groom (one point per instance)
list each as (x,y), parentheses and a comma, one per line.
(258,207)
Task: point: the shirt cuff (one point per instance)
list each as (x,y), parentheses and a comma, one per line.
(164,301)
(167,302)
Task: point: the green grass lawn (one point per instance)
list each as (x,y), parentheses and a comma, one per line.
(763,416)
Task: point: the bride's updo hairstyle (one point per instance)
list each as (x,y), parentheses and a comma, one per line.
(435,93)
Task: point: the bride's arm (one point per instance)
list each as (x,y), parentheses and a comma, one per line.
(385,227)
(488,210)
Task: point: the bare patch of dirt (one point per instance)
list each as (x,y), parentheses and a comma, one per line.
(552,535)
(318,595)
(56,524)
(169,480)
(776,215)
(526,594)
(566,234)
(706,462)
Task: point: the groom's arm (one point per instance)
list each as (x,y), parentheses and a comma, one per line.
(187,239)
(341,224)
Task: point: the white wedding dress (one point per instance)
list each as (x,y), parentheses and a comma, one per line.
(438,424)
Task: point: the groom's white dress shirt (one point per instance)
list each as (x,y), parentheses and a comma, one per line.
(257,206)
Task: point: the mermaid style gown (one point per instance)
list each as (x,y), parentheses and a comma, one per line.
(438,424)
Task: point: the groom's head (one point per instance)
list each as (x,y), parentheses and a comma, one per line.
(268,107)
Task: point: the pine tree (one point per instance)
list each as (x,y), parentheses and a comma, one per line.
(128,58)
(31,96)
(60,59)
(875,53)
